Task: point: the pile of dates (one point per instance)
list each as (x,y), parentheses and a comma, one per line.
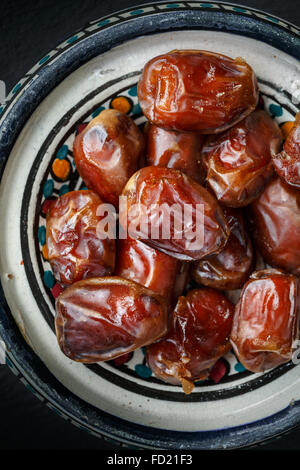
(207,143)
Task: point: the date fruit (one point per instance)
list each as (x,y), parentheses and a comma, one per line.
(266,320)
(179,150)
(287,163)
(230,268)
(74,249)
(198,337)
(107,152)
(102,318)
(198,91)
(147,266)
(170,212)
(275,224)
(239,161)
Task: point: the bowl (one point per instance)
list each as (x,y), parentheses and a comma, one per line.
(121,400)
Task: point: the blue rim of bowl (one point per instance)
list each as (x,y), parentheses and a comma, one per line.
(96,38)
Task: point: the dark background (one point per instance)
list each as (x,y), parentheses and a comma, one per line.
(28,30)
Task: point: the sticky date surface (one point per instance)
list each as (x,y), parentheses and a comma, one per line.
(200,91)
(275,224)
(102,318)
(230,268)
(74,248)
(107,153)
(266,320)
(198,337)
(239,161)
(162,187)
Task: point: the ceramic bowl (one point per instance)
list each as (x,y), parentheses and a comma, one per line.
(121,400)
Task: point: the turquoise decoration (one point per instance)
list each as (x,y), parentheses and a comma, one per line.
(136,109)
(49,280)
(173,5)
(239,10)
(103,23)
(97,111)
(239,367)
(271,18)
(136,12)
(44,59)
(143,371)
(276,110)
(17,88)
(62,152)
(72,39)
(48,188)
(42,235)
(133,91)
(64,189)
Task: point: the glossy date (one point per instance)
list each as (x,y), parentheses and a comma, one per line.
(102,318)
(158,198)
(107,152)
(266,321)
(275,225)
(74,249)
(287,163)
(178,150)
(230,268)
(239,161)
(147,266)
(199,91)
(198,337)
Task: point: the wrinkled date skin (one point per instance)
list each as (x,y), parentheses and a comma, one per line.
(239,161)
(266,320)
(102,318)
(173,234)
(147,266)
(107,152)
(198,337)
(74,248)
(179,150)
(198,91)
(230,268)
(287,163)
(275,225)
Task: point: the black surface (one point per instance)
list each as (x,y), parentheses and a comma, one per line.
(28,30)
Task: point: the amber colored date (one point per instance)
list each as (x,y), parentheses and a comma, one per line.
(152,193)
(200,91)
(275,225)
(230,268)
(266,320)
(102,318)
(198,337)
(74,248)
(287,163)
(239,162)
(178,150)
(147,266)
(107,152)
